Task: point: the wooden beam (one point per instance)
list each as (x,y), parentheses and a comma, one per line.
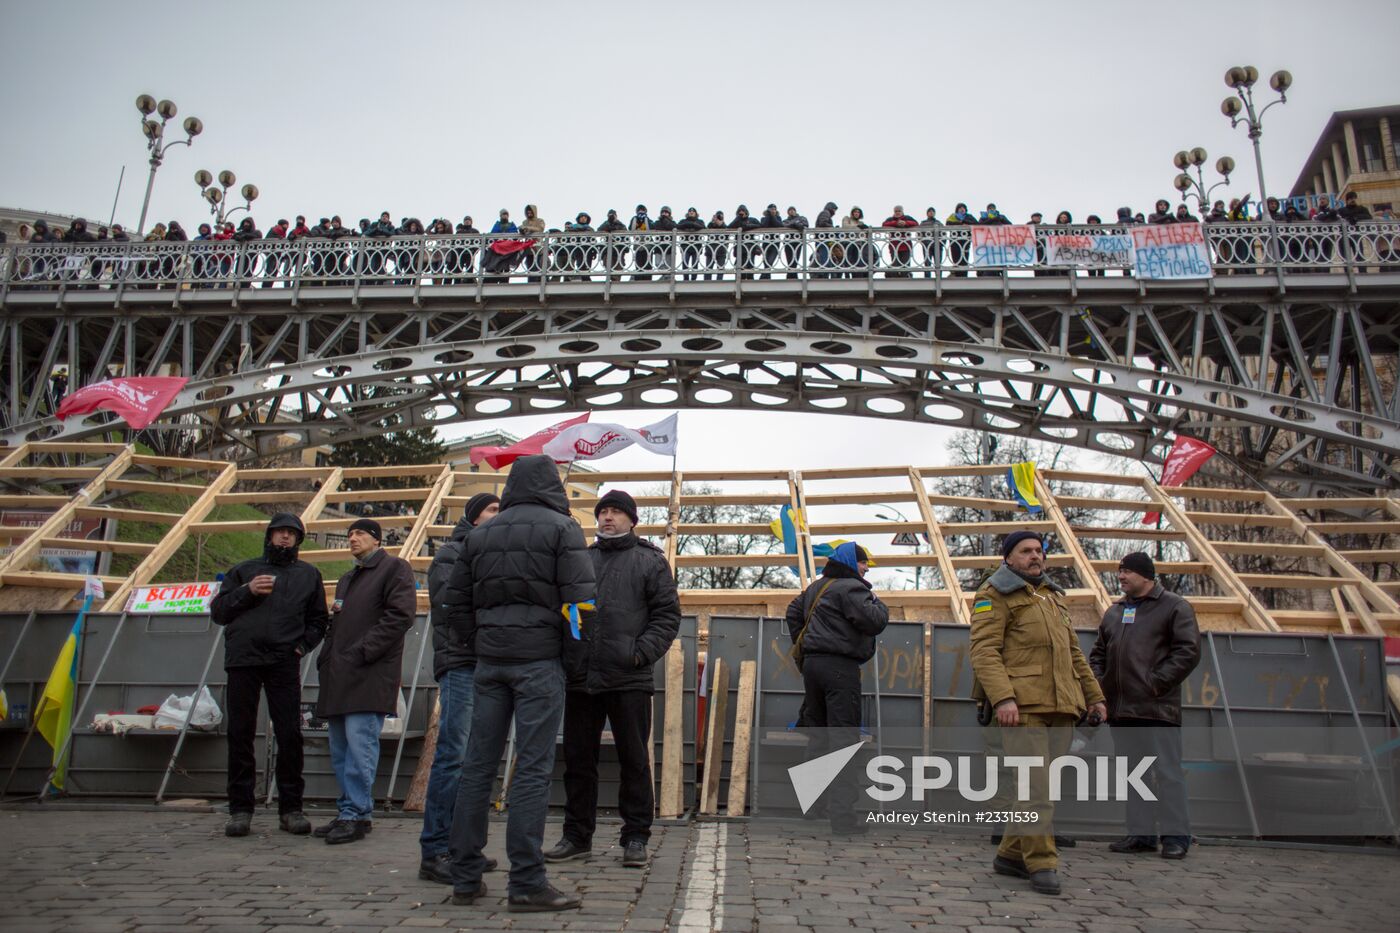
(330,482)
(160,488)
(717,711)
(673,521)
(1107,505)
(33,501)
(1210,492)
(938,545)
(179,463)
(170,543)
(1375,556)
(56,581)
(1070,543)
(15,456)
(380,495)
(1290,581)
(1338,504)
(418,535)
(1238,518)
(1343,616)
(87,544)
(128,515)
(249,498)
(672,801)
(279,473)
(24,553)
(1271,548)
(1355,528)
(48,473)
(743,740)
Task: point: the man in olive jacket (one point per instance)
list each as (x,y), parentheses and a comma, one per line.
(1029,669)
(609,672)
(835,621)
(508,599)
(1148,645)
(360,666)
(273,609)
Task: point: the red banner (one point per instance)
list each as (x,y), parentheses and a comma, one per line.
(1183,460)
(498,457)
(139,400)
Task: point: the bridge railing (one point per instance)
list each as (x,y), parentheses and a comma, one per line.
(671,256)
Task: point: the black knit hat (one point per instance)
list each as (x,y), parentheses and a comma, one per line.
(369,526)
(619,500)
(1008,544)
(478,503)
(1139,563)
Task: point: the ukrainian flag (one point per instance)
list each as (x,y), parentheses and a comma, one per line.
(1020,479)
(55,720)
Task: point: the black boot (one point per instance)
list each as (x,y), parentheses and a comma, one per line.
(544,899)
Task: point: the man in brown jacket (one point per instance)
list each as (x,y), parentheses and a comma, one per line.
(1030,671)
(360,666)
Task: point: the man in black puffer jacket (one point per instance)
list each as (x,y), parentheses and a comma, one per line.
(504,601)
(454,668)
(835,622)
(610,679)
(273,609)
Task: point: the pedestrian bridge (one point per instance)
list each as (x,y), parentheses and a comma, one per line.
(1285,358)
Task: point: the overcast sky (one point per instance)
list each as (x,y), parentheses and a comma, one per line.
(432,109)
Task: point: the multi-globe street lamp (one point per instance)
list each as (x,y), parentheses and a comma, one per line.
(1185,160)
(217,196)
(1242,79)
(156,142)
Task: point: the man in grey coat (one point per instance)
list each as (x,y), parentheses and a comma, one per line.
(360,666)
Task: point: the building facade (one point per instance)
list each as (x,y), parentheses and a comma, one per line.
(1357,151)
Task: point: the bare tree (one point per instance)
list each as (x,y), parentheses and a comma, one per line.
(725,577)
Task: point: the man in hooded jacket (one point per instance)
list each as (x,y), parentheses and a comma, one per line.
(609,675)
(273,609)
(454,668)
(834,623)
(514,588)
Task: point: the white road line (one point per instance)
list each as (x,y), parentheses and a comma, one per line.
(704,884)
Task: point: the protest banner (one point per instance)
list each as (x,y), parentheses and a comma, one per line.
(1003,245)
(172,598)
(1171,251)
(1089,250)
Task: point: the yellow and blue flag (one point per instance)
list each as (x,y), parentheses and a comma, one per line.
(1020,479)
(55,719)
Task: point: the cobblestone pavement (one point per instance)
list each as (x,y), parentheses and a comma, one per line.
(143,871)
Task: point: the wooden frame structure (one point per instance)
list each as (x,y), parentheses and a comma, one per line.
(1347,586)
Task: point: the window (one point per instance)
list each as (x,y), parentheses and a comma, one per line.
(1368,146)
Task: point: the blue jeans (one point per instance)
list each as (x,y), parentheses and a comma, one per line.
(355,759)
(532,694)
(456,695)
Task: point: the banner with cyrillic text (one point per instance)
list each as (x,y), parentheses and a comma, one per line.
(178,598)
(1171,251)
(1003,245)
(1089,250)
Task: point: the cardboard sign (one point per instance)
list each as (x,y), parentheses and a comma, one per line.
(174,598)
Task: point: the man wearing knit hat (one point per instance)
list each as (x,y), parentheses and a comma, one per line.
(1029,671)
(454,667)
(833,626)
(1148,645)
(609,679)
(360,666)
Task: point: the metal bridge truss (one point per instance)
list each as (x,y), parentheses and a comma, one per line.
(1287,365)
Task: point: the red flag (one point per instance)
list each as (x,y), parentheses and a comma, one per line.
(498,457)
(506,247)
(139,400)
(1183,460)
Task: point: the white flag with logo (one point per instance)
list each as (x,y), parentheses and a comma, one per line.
(593,440)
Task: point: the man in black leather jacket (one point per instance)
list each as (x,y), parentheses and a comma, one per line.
(609,678)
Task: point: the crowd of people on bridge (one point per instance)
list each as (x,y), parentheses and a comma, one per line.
(757,243)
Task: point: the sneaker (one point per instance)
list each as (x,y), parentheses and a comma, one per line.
(467,900)
(543,899)
(321,832)
(567,851)
(634,855)
(239,824)
(295,823)
(346,831)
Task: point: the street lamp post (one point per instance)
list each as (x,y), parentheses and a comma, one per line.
(1196,187)
(218,196)
(918,570)
(1243,79)
(156,142)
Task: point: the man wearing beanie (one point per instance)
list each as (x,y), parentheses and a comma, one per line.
(1029,672)
(273,609)
(454,666)
(609,671)
(360,667)
(521,579)
(833,625)
(1148,645)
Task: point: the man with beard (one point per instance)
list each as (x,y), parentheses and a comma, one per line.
(273,609)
